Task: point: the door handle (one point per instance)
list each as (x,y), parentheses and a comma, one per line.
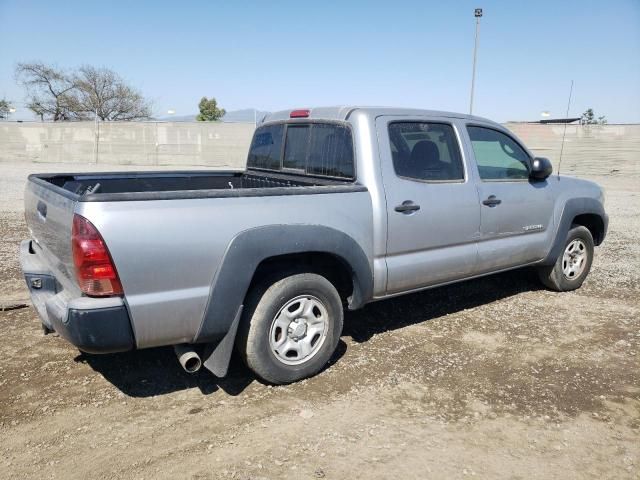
(492,201)
(407,207)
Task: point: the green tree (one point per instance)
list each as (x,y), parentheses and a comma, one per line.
(5,108)
(589,118)
(209,111)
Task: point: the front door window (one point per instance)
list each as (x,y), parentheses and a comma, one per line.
(498,156)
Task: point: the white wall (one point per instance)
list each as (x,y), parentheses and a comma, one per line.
(588,150)
(593,150)
(131,143)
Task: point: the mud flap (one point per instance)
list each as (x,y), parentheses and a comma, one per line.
(219,355)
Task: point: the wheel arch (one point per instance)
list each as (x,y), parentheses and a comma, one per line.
(258,251)
(585,211)
(594,223)
(329,265)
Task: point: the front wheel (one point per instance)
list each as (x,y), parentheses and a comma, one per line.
(290,328)
(573,266)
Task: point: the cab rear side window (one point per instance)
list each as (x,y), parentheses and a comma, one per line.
(318,149)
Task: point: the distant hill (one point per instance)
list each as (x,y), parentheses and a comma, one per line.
(177,118)
(245,115)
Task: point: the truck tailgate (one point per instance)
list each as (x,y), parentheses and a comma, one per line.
(49,216)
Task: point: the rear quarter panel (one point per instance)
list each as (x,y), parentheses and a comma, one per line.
(167,252)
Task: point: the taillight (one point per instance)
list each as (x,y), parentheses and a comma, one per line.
(95,271)
(299,114)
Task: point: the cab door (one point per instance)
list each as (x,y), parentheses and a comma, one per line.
(516,213)
(433,211)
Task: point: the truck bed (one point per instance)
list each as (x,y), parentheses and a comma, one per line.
(121,186)
(167,252)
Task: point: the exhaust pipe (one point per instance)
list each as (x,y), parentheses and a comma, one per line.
(188,358)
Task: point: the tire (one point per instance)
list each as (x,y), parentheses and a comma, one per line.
(573,265)
(290,327)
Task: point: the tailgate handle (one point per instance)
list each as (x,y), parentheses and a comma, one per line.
(42,209)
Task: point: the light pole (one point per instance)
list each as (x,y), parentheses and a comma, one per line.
(478,14)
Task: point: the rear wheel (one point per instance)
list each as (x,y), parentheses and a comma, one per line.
(291,327)
(573,266)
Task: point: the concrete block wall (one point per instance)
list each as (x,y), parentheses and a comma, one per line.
(588,150)
(131,143)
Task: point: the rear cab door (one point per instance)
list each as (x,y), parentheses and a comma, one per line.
(433,212)
(516,213)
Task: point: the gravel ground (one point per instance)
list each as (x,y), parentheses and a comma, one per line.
(493,378)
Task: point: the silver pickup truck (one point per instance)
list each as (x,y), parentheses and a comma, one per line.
(337,207)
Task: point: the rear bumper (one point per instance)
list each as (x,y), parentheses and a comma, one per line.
(94,325)
(98,330)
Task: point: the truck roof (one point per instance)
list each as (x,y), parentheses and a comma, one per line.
(343,112)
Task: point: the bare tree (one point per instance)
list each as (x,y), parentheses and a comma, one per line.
(58,95)
(49,90)
(104,93)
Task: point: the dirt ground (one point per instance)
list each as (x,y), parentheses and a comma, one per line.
(492,378)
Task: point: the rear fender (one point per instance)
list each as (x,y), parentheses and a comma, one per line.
(249,248)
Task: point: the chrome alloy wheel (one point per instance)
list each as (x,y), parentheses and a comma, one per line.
(574,259)
(298,330)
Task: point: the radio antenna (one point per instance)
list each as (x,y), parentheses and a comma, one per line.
(564,133)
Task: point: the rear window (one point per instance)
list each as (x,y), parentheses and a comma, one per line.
(331,151)
(266,147)
(295,147)
(322,149)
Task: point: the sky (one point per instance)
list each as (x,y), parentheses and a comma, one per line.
(274,55)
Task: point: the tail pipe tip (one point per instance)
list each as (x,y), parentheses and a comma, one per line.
(188,358)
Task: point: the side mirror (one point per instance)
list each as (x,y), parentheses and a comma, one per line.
(541,168)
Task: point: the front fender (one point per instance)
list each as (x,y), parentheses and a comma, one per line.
(249,248)
(572,208)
